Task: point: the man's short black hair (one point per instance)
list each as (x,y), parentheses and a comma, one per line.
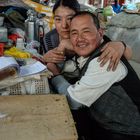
(72,4)
(94,17)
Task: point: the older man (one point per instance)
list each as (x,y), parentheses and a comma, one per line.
(112,97)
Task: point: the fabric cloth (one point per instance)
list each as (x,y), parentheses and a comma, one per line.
(51,40)
(14,16)
(116,112)
(95,82)
(116,8)
(116,109)
(87,91)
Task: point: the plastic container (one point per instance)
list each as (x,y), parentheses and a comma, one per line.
(3,34)
(1,20)
(20,43)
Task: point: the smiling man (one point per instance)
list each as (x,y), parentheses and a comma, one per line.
(112,97)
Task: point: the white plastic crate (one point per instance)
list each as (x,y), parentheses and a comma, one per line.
(37,85)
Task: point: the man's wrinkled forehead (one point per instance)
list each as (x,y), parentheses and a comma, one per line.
(78,17)
(92,19)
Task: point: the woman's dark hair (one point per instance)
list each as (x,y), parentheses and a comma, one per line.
(94,17)
(72,4)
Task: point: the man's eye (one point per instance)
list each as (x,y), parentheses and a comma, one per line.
(73,33)
(86,31)
(57,19)
(69,18)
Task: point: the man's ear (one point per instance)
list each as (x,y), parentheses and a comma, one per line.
(101,32)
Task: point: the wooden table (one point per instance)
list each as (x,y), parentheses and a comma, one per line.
(36,117)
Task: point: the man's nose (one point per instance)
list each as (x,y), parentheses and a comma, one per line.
(80,37)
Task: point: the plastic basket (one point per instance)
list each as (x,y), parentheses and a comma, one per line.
(32,86)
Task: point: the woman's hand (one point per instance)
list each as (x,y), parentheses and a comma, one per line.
(54,56)
(57,55)
(66,46)
(112,52)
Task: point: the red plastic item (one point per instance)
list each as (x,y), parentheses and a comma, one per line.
(13,37)
(1,48)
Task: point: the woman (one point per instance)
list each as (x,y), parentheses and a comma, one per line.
(63,11)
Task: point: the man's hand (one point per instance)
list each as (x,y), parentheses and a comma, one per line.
(54,56)
(53,68)
(112,52)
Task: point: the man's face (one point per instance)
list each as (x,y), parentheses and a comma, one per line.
(62,19)
(84,35)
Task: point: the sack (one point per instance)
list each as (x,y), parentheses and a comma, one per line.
(14,16)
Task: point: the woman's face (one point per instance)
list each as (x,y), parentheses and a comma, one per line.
(62,19)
